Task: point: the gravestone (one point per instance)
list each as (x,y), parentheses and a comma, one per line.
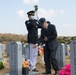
(66,49)
(61,55)
(15,55)
(73,57)
(1,50)
(26,50)
(0,53)
(7,49)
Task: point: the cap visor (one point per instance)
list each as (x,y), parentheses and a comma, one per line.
(40,24)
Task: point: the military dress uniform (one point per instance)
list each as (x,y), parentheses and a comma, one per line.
(32,27)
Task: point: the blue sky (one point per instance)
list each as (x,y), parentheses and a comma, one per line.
(61,13)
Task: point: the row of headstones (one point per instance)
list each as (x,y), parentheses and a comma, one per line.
(62,51)
(25,51)
(61,56)
(16,50)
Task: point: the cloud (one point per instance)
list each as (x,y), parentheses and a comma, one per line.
(20,13)
(46,13)
(30,1)
(51,13)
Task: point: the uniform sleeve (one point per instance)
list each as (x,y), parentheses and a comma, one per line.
(54,34)
(40,40)
(28,24)
(38,24)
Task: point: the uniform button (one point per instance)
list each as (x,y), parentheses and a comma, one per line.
(36,26)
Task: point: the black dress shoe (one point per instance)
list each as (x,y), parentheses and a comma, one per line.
(56,72)
(46,73)
(34,70)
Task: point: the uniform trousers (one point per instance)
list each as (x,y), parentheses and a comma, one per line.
(33,55)
(50,59)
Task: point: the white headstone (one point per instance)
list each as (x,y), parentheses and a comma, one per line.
(7,49)
(1,50)
(26,50)
(73,57)
(61,55)
(66,49)
(15,55)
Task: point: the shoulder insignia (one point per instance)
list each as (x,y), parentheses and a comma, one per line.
(28,22)
(37,22)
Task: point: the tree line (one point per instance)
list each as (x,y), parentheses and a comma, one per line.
(8,37)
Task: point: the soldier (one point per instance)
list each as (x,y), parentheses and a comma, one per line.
(32,27)
(48,35)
